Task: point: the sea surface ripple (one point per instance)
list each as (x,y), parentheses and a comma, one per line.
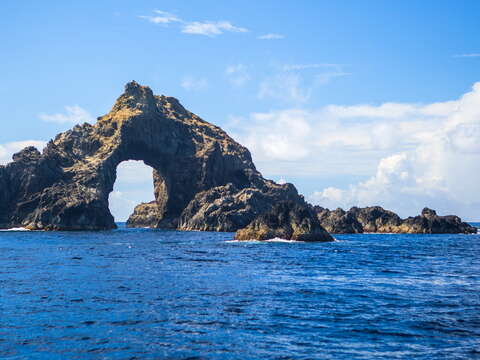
(150,294)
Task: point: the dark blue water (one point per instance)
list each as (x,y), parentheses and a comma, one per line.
(145,294)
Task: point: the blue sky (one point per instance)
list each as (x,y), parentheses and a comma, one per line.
(334,96)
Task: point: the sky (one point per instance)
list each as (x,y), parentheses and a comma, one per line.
(355,102)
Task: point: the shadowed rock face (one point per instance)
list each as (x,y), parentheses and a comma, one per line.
(203,179)
(145,215)
(378,220)
(286,220)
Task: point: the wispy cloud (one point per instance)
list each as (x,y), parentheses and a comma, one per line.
(211,28)
(467,55)
(237,74)
(271,36)
(293,67)
(74,114)
(287,87)
(206,28)
(161,17)
(295,83)
(191,83)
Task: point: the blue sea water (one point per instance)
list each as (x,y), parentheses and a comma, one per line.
(150,294)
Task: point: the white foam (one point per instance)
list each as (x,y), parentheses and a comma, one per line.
(264,241)
(16,229)
(276,240)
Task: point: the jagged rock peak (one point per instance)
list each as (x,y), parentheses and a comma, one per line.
(136,97)
(30,153)
(428,213)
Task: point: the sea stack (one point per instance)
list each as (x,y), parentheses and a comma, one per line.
(203,179)
(286,220)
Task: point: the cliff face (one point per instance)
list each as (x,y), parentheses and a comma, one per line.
(203,179)
(378,220)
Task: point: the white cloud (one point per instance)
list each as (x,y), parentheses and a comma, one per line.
(134,185)
(191,83)
(162,17)
(238,74)
(211,28)
(271,36)
(292,67)
(276,135)
(411,155)
(295,83)
(206,28)
(285,87)
(74,114)
(467,55)
(8,149)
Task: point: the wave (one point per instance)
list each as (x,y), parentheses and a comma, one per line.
(16,229)
(264,241)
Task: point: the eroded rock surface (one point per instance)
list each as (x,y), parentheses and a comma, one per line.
(378,220)
(203,179)
(286,220)
(145,215)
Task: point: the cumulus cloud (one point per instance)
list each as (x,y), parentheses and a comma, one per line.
(411,155)
(191,83)
(206,28)
(74,114)
(271,36)
(238,75)
(8,149)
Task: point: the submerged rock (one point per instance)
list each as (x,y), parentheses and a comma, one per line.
(286,220)
(203,179)
(378,220)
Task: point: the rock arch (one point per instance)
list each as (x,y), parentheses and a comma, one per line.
(204,180)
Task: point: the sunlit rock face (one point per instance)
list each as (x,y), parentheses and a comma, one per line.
(286,220)
(203,179)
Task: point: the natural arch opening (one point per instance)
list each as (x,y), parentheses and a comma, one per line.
(134,185)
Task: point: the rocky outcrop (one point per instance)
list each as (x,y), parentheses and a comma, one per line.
(338,221)
(430,223)
(285,220)
(378,220)
(203,179)
(145,215)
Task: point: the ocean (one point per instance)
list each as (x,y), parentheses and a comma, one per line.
(155,294)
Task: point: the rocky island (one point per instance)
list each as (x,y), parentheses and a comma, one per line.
(203,179)
(375,219)
(286,220)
